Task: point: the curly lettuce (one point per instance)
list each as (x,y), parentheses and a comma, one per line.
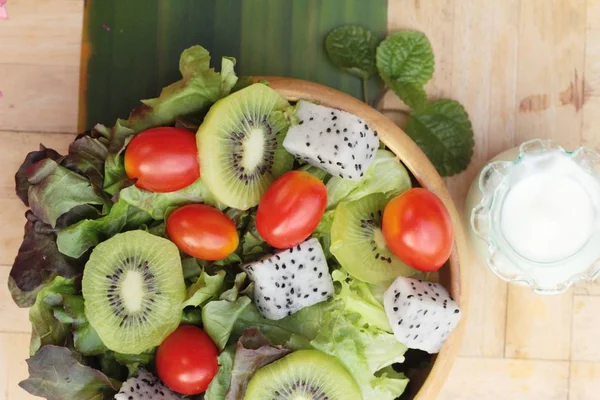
(386,175)
(364,351)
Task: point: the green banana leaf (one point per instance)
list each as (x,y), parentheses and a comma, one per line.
(131,48)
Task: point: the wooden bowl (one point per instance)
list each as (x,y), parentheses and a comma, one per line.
(427,384)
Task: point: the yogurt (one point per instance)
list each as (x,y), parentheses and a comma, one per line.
(550,213)
(534,216)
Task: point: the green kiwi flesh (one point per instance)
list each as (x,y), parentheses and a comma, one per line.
(240,145)
(133,288)
(358,243)
(303,375)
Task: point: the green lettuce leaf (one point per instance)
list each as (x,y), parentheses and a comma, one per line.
(192,316)
(55,190)
(192,267)
(206,288)
(233,293)
(358,298)
(119,136)
(363,351)
(78,238)
(219,317)
(225,322)
(386,175)
(199,87)
(317,172)
(56,374)
(352,48)
(444,132)
(389,381)
(38,262)
(228,76)
(295,331)
(252,246)
(111,368)
(85,338)
(87,155)
(217,390)
(134,361)
(45,328)
(253,352)
(158,204)
(323,232)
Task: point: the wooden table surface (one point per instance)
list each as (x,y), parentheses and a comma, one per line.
(522,68)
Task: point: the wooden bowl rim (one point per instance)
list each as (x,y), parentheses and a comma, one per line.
(425,173)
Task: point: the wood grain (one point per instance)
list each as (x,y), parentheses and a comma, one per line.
(12,209)
(584,380)
(503,379)
(13,353)
(14,319)
(591,107)
(586,320)
(550,72)
(24,108)
(43,32)
(528,314)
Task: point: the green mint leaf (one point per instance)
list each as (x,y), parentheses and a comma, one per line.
(413,95)
(405,57)
(352,48)
(444,133)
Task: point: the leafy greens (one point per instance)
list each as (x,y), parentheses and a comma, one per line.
(84,197)
(405,62)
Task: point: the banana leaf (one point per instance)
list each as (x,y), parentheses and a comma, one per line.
(131,48)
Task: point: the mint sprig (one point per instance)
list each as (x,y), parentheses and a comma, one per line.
(405,57)
(405,62)
(352,48)
(443,131)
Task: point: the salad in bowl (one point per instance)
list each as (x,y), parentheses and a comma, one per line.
(230,240)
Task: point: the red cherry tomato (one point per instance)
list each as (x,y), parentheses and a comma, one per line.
(186,361)
(291,209)
(163,159)
(417,228)
(203,232)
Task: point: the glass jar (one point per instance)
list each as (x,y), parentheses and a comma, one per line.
(534,216)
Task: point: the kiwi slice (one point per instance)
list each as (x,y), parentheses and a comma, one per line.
(133,289)
(305,375)
(358,243)
(240,145)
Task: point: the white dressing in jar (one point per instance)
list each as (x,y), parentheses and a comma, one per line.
(535,216)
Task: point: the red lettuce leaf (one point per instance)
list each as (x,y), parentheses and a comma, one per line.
(56,374)
(253,352)
(38,262)
(21,182)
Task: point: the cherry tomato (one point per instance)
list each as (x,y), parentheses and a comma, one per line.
(203,232)
(417,228)
(186,361)
(291,209)
(163,159)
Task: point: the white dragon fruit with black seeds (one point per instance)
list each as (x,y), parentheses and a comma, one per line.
(336,141)
(145,386)
(290,280)
(422,314)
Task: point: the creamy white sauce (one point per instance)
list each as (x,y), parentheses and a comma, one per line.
(550,213)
